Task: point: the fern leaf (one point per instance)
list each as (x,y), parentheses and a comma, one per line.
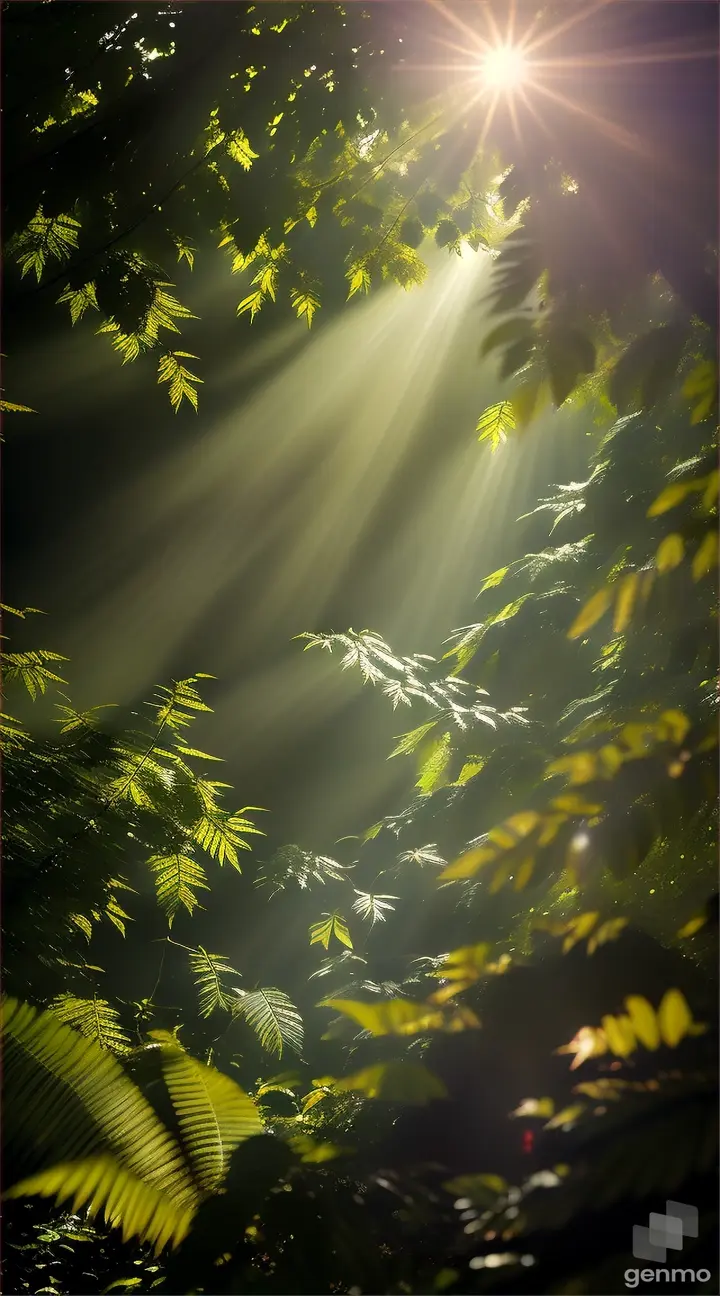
(9,407)
(331,924)
(79,300)
(94,1018)
(31,669)
(372,907)
(175,876)
(89,1109)
(495,422)
(214,1114)
(238,148)
(101,1184)
(176,707)
(208,970)
(182,382)
(274,1018)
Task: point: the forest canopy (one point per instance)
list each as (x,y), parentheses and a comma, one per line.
(489,1054)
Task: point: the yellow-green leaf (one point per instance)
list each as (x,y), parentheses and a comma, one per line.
(644,1021)
(594,609)
(670,553)
(620,1035)
(670,497)
(390,1016)
(467,865)
(691,927)
(674,1018)
(706,557)
(625,602)
(543,1108)
(495,423)
(406,1082)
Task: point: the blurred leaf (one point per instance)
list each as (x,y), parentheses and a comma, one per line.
(594,609)
(404,1082)
(670,553)
(706,557)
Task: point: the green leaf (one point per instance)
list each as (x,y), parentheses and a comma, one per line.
(408,742)
(670,553)
(111,1151)
(701,388)
(94,1018)
(433,767)
(495,423)
(389,1017)
(403,1082)
(182,382)
(274,1018)
(359,279)
(674,1018)
(495,578)
(208,971)
(214,1114)
(176,874)
(594,609)
(331,924)
(673,495)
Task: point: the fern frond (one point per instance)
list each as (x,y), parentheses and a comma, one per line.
(31,670)
(94,1018)
(217,831)
(183,383)
(292,864)
(44,237)
(208,970)
(175,876)
(372,907)
(88,1108)
(79,300)
(274,1018)
(331,924)
(214,1114)
(100,1184)
(177,706)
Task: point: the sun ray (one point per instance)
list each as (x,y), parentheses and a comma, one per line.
(611,130)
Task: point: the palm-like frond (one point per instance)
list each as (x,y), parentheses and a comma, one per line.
(215,1115)
(208,970)
(110,1151)
(102,1185)
(94,1018)
(274,1018)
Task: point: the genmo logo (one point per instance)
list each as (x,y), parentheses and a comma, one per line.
(665,1233)
(635,1276)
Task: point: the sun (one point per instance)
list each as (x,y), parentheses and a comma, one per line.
(504,67)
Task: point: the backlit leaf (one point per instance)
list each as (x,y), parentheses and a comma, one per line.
(670,553)
(594,609)
(404,1082)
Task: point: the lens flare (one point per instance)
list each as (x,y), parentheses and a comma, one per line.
(504,68)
